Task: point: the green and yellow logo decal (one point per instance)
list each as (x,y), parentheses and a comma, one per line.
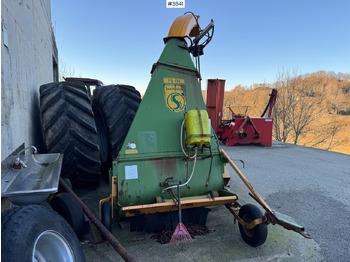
(174,93)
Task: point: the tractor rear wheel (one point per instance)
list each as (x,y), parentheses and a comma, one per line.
(69,128)
(114,107)
(257,235)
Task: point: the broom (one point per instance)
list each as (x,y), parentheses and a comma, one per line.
(180,235)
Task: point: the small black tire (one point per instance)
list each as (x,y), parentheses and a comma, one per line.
(256,236)
(69,127)
(106,213)
(114,107)
(37,233)
(69,208)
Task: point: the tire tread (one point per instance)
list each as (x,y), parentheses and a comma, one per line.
(117,105)
(69,128)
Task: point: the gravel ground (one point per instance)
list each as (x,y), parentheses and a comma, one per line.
(303,185)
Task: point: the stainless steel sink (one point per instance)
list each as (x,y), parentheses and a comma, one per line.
(35,182)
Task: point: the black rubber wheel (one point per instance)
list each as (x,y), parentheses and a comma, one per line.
(106,213)
(257,235)
(69,128)
(69,208)
(37,233)
(114,107)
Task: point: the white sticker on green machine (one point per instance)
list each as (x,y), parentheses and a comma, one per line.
(131,172)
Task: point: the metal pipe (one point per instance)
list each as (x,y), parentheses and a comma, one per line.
(35,151)
(104,231)
(202,33)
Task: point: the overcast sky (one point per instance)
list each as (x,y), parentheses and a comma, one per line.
(117,41)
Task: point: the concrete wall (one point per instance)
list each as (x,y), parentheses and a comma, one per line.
(28,52)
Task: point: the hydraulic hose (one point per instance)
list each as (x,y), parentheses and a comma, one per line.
(184,184)
(190,157)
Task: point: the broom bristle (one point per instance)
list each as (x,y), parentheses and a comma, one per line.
(180,235)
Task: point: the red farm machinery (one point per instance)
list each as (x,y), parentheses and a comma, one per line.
(241,128)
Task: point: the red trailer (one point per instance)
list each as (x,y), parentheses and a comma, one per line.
(240,128)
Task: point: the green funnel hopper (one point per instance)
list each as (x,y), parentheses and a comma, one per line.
(152,158)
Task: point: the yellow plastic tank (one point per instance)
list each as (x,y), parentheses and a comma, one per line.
(197,127)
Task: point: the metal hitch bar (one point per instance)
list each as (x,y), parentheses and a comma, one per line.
(269,216)
(273,219)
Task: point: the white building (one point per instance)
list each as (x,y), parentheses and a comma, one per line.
(28,59)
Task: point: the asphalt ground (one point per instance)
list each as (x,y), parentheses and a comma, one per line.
(306,186)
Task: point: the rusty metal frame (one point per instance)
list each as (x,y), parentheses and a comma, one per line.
(111,199)
(131,211)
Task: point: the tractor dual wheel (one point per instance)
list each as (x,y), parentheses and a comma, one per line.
(69,128)
(37,233)
(114,107)
(257,235)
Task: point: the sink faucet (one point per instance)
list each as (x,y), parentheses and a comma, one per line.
(19,163)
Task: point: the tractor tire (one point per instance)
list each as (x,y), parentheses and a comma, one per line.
(257,235)
(69,128)
(114,107)
(37,233)
(69,208)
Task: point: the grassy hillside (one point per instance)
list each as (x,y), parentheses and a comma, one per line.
(311,109)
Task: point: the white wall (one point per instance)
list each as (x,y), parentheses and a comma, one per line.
(26,63)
